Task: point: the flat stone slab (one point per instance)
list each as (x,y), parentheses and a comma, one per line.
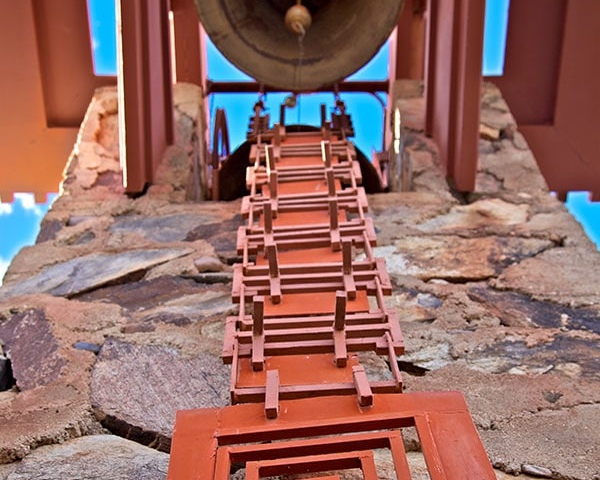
(44,415)
(483,214)
(566,442)
(137,389)
(495,398)
(32,348)
(91,271)
(514,168)
(454,258)
(568,276)
(171,228)
(546,424)
(92,457)
(221,235)
(144,293)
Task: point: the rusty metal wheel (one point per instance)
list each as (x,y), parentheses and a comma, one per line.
(220,150)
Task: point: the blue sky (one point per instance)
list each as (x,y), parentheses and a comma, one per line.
(19,220)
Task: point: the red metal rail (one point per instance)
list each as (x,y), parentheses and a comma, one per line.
(312,305)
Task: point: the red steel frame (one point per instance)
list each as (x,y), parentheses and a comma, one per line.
(208,441)
(312,302)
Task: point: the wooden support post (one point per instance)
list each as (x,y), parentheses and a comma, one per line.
(363,388)
(145,89)
(273,186)
(274,279)
(190,44)
(453,85)
(268,217)
(269,159)
(326,153)
(349,284)
(339,333)
(272,394)
(277,137)
(330,182)
(334,225)
(393,361)
(273,193)
(258,333)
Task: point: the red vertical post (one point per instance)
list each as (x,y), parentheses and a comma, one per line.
(190,48)
(145,89)
(453,85)
(408,42)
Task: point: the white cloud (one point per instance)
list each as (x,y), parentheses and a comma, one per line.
(27,201)
(3,268)
(5,208)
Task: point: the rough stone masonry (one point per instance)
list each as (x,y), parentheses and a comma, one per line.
(114,319)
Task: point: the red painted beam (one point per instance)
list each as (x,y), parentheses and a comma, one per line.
(550,84)
(190,45)
(407,51)
(254,87)
(65,54)
(145,89)
(453,85)
(534,41)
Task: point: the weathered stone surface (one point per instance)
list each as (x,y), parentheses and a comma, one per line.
(515,169)
(166,300)
(457,259)
(222,235)
(206,264)
(495,350)
(136,389)
(481,215)
(175,168)
(397,214)
(494,398)
(422,155)
(519,310)
(31,260)
(523,353)
(566,442)
(92,457)
(512,410)
(213,300)
(91,271)
(184,266)
(33,349)
(484,288)
(188,99)
(540,472)
(169,228)
(44,415)
(143,294)
(56,405)
(578,283)
(48,230)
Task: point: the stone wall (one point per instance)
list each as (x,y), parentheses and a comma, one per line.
(114,319)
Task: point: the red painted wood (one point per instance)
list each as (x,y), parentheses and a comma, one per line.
(146,98)
(453,85)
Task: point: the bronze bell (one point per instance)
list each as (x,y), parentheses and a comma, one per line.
(333,41)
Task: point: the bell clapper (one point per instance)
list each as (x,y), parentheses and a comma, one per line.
(298,19)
